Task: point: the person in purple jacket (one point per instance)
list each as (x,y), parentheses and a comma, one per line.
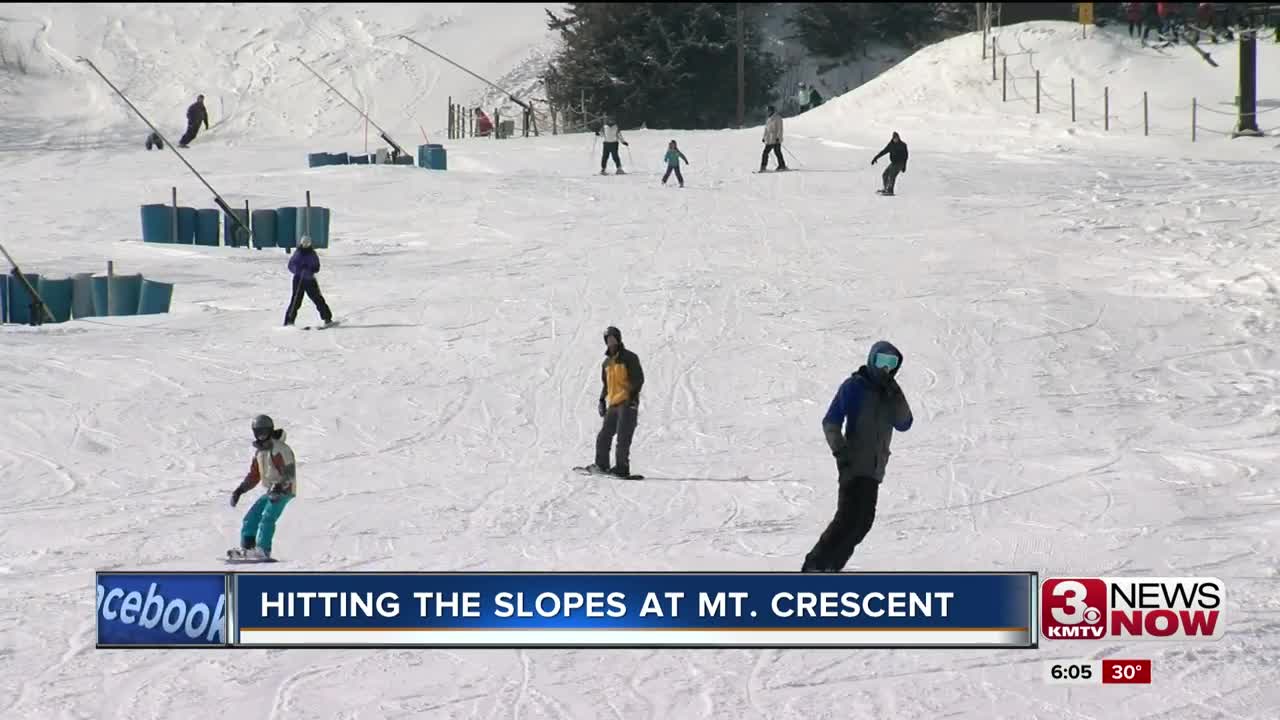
(304,265)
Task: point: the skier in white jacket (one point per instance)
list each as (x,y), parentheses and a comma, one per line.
(612,136)
(772,140)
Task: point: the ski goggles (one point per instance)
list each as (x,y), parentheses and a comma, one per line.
(884,361)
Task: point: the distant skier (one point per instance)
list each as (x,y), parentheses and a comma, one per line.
(897,152)
(154,141)
(612,136)
(621,378)
(772,140)
(196,114)
(274,467)
(802,98)
(871,406)
(673,158)
(304,265)
(815,98)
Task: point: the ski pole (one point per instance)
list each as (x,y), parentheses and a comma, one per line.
(630,160)
(793,155)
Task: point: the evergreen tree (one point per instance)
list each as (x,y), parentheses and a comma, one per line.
(662,64)
(843,30)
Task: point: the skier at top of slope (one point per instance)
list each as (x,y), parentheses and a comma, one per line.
(870,405)
(274,467)
(612,136)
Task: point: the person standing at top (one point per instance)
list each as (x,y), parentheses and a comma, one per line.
(611,136)
(772,140)
(196,114)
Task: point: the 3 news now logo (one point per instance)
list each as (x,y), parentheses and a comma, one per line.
(161,609)
(1135,608)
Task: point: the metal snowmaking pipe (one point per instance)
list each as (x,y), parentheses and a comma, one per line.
(491,84)
(35,296)
(382,133)
(216,197)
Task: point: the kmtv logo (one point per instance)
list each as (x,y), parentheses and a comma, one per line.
(1134,608)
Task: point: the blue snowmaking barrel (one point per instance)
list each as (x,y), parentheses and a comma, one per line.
(100,295)
(339,159)
(359,159)
(318,227)
(264,228)
(186,226)
(125,291)
(422,156)
(404,160)
(56,295)
(287,227)
(234,235)
(155,297)
(4,299)
(207,227)
(20,300)
(316,160)
(82,295)
(437,158)
(157,223)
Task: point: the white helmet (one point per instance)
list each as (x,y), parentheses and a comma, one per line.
(305,242)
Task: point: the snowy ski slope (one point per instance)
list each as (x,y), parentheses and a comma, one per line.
(1090,329)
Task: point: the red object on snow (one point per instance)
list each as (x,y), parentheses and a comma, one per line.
(484,125)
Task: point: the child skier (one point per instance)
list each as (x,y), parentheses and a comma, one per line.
(673,157)
(304,265)
(274,467)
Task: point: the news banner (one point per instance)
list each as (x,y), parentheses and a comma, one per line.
(647,610)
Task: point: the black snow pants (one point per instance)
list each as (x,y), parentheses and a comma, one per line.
(890,176)
(619,420)
(193,129)
(777,153)
(311,289)
(855,513)
(610,151)
(673,169)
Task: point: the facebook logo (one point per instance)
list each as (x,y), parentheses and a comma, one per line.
(161,609)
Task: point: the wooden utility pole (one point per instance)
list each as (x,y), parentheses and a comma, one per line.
(1247,124)
(742,67)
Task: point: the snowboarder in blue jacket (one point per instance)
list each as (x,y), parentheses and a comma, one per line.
(304,265)
(870,406)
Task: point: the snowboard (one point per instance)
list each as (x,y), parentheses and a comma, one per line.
(584,470)
(321,327)
(883,192)
(234,557)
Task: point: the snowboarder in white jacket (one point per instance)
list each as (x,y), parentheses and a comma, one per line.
(772,140)
(274,467)
(612,136)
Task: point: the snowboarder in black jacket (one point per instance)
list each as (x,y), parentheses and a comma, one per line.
(196,114)
(870,406)
(897,152)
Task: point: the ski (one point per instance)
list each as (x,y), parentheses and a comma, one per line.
(321,327)
(584,470)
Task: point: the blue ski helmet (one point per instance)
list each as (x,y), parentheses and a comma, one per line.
(885,358)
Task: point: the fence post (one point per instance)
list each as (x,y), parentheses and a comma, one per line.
(1073,99)
(1193,119)
(1106,108)
(1004,79)
(1146,127)
(993,59)
(497,123)
(1037,92)
(450,117)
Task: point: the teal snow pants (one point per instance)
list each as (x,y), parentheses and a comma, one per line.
(260,522)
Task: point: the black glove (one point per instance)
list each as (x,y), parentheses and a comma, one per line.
(624,142)
(602,408)
(275,493)
(873,162)
(235,497)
